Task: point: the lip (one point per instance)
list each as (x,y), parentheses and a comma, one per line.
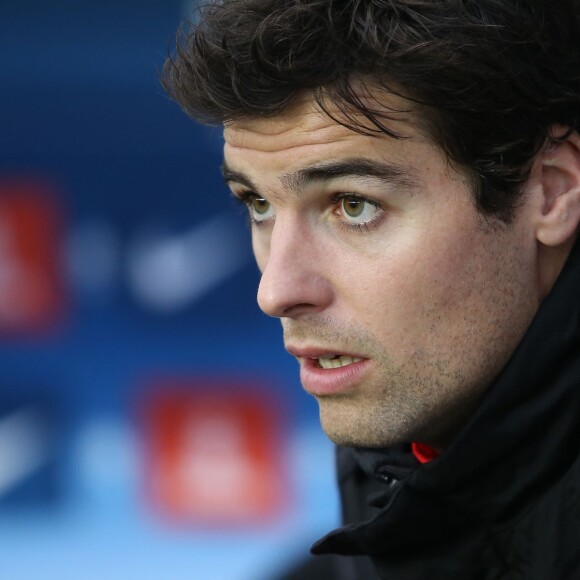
(325,382)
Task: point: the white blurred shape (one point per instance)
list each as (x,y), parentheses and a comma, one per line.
(215,458)
(23,447)
(169,273)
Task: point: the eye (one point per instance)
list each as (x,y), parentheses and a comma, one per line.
(260,208)
(260,205)
(358,210)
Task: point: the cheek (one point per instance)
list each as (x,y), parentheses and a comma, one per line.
(446,274)
(416,290)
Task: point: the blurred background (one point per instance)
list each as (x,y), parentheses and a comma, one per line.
(151,424)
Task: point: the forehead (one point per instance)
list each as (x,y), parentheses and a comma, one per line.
(304,126)
(300,123)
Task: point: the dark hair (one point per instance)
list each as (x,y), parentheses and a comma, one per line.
(488,78)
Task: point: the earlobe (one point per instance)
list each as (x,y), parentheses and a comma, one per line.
(559,167)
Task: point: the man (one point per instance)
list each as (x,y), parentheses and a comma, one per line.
(412,173)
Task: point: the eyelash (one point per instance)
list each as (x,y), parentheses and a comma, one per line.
(366,226)
(246,198)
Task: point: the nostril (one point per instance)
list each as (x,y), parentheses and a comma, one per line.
(297,310)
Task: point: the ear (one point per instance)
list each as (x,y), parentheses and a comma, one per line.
(558,166)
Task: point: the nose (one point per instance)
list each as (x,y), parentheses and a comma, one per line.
(294,282)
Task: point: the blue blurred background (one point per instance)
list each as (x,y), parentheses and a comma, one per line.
(151,424)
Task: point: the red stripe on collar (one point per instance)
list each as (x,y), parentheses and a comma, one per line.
(424,453)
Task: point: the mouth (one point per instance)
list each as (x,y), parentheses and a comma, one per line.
(325,371)
(335,361)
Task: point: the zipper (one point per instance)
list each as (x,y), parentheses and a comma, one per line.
(388,480)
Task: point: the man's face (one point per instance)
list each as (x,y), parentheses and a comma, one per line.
(400,302)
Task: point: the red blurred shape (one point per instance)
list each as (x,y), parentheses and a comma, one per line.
(214,454)
(31,296)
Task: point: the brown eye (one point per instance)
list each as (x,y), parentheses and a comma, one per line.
(261,209)
(353,207)
(358,211)
(260,205)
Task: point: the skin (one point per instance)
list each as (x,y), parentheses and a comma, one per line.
(433,296)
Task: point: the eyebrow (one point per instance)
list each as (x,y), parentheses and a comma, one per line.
(231,176)
(399,175)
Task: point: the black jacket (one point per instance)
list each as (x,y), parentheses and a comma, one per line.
(503,501)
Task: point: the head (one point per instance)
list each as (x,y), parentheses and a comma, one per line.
(412,170)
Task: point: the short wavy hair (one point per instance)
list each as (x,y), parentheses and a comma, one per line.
(488,78)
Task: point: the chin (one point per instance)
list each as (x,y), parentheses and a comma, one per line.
(354,434)
(369,428)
